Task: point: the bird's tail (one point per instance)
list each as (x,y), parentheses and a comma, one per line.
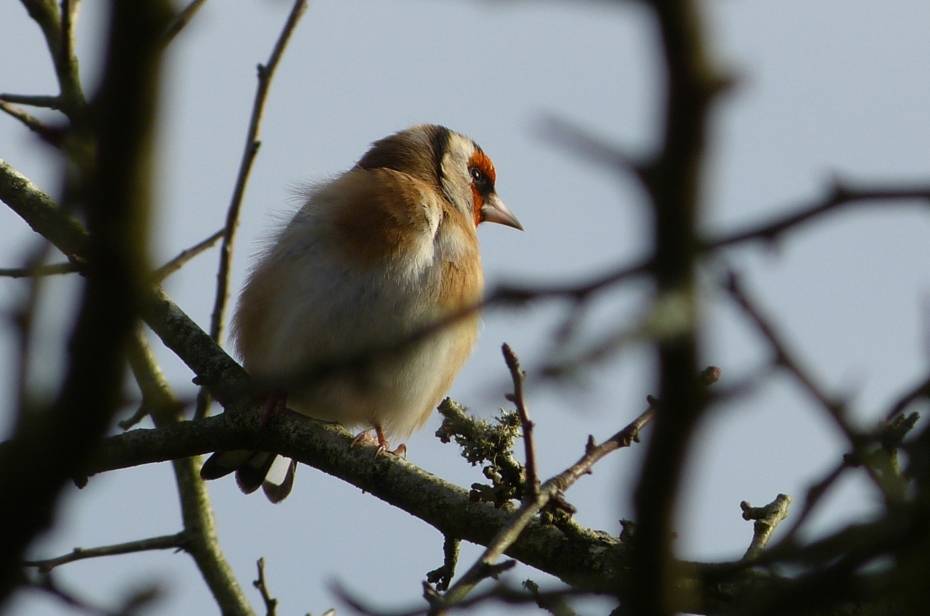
(254,469)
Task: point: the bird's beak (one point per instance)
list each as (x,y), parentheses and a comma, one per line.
(494,210)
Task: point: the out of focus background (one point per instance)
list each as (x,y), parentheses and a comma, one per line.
(823,89)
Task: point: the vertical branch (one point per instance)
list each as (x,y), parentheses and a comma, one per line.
(48,448)
(265,75)
(66,63)
(519,377)
(673,182)
(196,512)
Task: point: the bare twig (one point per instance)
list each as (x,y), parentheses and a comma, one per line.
(49,102)
(921,390)
(515,293)
(53,269)
(841,196)
(271,604)
(589,146)
(549,491)
(519,377)
(766,519)
(442,576)
(186,255)
(117,194)
(183,18)
(196,513)
(47,584)
(834,407)
(49,133)
(166,542)
(814,495)
(500,593)
(265,75)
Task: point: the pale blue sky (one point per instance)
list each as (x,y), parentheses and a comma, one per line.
(826,87)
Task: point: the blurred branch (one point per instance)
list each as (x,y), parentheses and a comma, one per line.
(200,537)
(50,102)
(186,255)
(591,147)
(183,18)
(834,407)
(841,196)
(921,390)
(673,180)
(265,75)
(45,450)
(53,269)
(500,593)
(48,133)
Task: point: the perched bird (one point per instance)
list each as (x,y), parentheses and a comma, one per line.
(374,257)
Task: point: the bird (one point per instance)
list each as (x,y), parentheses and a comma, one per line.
(373,259)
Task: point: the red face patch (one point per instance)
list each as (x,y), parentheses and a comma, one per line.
(483,177)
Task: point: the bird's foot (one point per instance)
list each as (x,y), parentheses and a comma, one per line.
(275,401)
(380,441)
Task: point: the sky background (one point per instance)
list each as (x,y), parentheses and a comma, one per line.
(832,87)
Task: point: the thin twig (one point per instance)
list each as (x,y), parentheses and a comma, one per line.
(921,390)
(442,576)
(766,519)
(52,269)
(167,542)
(502,593)
(196,512)
(48,133)
(589,146)
(834,407)
(519,377)
(840,196)
(33,100)
(814,495)
(271,604)
(48,585)
(550,490)
(265,75)
(183,18)
(515,293)
(186,255)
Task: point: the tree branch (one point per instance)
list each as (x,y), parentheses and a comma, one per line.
(265,76)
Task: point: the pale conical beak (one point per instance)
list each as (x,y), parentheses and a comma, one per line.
(494,210)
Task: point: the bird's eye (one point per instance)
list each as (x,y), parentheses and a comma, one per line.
(481,180)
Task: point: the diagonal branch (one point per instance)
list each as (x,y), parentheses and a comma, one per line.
(265,75)
(841,196)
